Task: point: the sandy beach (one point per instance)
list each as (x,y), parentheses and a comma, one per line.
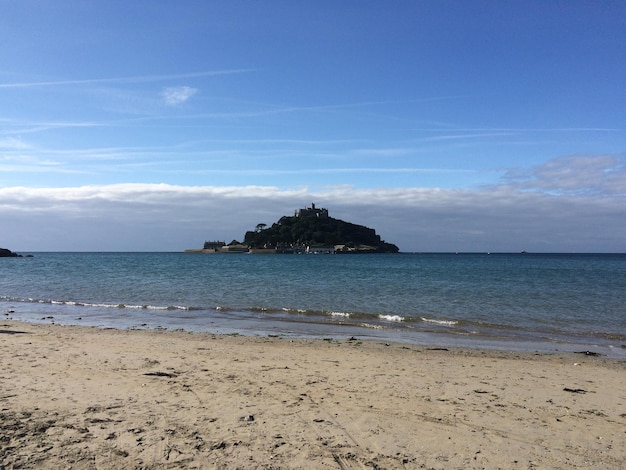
(79,397)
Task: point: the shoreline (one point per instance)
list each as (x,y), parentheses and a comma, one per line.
(257,323)
(530,302)
(90,397)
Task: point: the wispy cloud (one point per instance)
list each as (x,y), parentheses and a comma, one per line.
(20,127)
(582,174)
(13,144)
(174,96)
(450,128)
(134,79)
(328,171)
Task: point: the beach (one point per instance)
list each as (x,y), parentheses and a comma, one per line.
(84,397)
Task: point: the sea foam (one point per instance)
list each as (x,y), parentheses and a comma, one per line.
(391,317)
(440,322)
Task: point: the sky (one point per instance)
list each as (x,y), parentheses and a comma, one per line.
(444,125)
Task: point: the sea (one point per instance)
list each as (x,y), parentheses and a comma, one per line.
(515,301)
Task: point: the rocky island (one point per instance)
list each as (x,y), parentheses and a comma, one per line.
(309,230)
(6,253)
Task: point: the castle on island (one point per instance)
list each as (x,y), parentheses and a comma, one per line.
(310,230)
(308,211)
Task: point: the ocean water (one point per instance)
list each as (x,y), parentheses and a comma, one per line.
(536,302)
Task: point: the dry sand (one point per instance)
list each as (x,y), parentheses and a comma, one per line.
(76,397)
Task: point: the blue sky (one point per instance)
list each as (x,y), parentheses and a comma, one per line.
(446,126)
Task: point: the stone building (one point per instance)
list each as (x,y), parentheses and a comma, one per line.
(308,211)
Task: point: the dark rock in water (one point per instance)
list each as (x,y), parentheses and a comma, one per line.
(4,253)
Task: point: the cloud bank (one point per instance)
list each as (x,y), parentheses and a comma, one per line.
(161,217)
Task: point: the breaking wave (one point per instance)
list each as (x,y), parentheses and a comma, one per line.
(396,318)
(440,322)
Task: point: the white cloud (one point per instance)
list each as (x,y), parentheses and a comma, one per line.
(161,217)
(174,96)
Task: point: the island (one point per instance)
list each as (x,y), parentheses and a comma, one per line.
(6,253)
(310,230)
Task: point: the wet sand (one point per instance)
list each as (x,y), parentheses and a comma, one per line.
(81,397)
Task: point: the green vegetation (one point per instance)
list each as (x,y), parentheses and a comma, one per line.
(313,230)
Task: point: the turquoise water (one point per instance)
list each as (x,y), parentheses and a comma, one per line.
(512,301)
